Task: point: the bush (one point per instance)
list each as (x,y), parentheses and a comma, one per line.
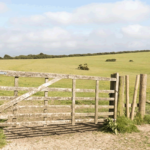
(130,60)
(83,67)
(113,60)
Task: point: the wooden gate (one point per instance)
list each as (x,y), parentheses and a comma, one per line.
(13,101)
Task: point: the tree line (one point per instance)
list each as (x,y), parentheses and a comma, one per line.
(42,56)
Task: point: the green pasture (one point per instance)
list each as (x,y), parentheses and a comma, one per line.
(97,65)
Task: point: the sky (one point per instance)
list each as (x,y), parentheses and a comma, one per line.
(73,27)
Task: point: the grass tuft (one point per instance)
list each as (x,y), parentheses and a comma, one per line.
(125,125)
(122,125)
(2,138)
(138,119)
(147,119)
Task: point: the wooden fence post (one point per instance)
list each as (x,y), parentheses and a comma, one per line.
(142,94)
(127,96)
(96,101)
(14,119)
(45,103)
(73,101)
(120,96)
(114,86)
(111,95)
(134,97)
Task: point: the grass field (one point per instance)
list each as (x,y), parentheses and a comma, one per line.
(96,64)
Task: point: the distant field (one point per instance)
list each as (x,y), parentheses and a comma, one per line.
(96,64)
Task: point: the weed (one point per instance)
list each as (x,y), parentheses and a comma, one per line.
(109,126)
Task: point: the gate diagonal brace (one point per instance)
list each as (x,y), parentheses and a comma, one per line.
(26,95)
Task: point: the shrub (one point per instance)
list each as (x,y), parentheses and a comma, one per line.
(113,60)
(83,67)
(130,60)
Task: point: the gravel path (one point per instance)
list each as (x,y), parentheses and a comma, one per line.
(92,140)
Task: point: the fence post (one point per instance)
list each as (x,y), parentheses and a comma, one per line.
(134,96)
(114,86)
(96,101)
(45,103)
(73,101)
(127,96)
(120,96)
(14,119)
(142,94)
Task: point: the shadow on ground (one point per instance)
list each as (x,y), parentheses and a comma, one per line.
(25,132)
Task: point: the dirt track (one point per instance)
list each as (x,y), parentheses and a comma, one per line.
(92,140)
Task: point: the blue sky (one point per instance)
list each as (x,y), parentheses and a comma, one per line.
(68,27)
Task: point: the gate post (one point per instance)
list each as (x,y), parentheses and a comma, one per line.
(114,86)
(96,101)
(73,101)
(45,103)
(142,94)
(14,119)
(120,96)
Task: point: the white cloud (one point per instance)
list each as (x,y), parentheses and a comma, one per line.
(121,11)
(59,17)
(3,7)
(137,31)
(60,41)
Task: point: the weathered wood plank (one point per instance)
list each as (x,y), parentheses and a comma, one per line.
(96,101)
(93,114)
(84,106)
(73,101)
(135,96)
(45,103)
(116,95)
(106,106)
(120,111)
(43,106)
(34,115)
(112,95)
(142,94)
(53,75)
(64,106)
(106,91)
(9,88)
(127,96)
(107,99)
(35,123)
(14,119)
(55,98)
(24,96)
